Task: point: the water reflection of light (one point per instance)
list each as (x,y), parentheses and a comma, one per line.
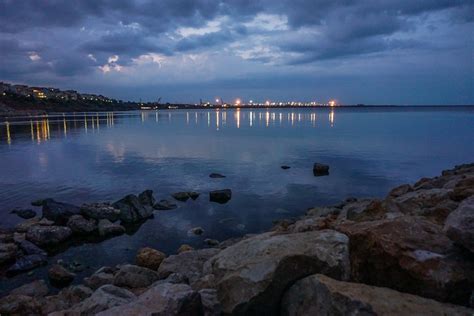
(65,126)
(85,123)
(217,119)
(292,119)
(32,131)
(251,119)
(313,119)
(280,116)
(9,139)
(237,117)
(187,118)
(208,119)
(224,118)
(267,118)
(196,117)
(331,118)
(98,124)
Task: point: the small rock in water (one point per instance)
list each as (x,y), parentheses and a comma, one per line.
(196,231)
(216,175)
(285,167)
(60,275)
(183,248)
(24,213)
(181,196)
(220,196)
(211,242)
(164,205)
(37,203)
(320,169)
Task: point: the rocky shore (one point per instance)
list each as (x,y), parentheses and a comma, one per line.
(410,253)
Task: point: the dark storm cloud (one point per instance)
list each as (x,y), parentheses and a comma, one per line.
(61,38)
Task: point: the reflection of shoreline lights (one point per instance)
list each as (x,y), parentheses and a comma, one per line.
(331,118)
(267,118)
(217,119)
(64,125)
(237,117)
(251,119)
(9,139)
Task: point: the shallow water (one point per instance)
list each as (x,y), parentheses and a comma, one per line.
(103,156)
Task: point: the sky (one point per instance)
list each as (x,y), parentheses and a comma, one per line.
(365,51)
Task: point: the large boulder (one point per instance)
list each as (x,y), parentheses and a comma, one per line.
(19,305)
(59,212)
(321,295)
(149,258)
(459,225)
(105,297)
(188,263)
(409,254)
(132,276)
(82,226)
(48,235)
(251,275)
(132,210)
(7,252)
(100,211)
(161,299)
(36,288)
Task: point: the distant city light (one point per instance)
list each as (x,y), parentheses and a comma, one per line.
(332,103)
(237,102)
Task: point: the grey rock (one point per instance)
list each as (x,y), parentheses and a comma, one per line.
(252,275)
(211,305)
(146,198)
(100,211)
(105,297)
(36,288)
(132,276)
(189,263)
(59,212)
(107,228)
(99,278)
(220,196)
(24,213)
(30,248)
(459,225)
(132,210)
(196,231)
(26,263)
(81,226)
(59,275)
(161,299)
(48,235)
(7,252)
(321,295)
(181,196)
(19,305)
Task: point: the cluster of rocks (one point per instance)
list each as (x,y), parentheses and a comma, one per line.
(410,253)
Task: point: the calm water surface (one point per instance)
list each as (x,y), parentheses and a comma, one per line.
(104,156)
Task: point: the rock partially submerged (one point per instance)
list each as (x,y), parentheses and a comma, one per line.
(220,196)
(320,169)
(132,210)
(321,295)
(60,276)
(107,228)
(132,276)
(164,205)
(59,212)
(82,226)
(24,213)
(100,211)
(252,275)
(216,175)
(48,235)
(184,196)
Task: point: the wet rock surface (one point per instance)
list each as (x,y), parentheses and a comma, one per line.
(320,169)
(408,253)
(321,295)
(220,196)
(24,213)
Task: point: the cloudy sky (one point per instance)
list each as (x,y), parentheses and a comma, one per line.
(366,51)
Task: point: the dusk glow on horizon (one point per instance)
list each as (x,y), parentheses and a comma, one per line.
(359,52)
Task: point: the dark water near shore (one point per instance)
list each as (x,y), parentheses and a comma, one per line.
(104,156)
